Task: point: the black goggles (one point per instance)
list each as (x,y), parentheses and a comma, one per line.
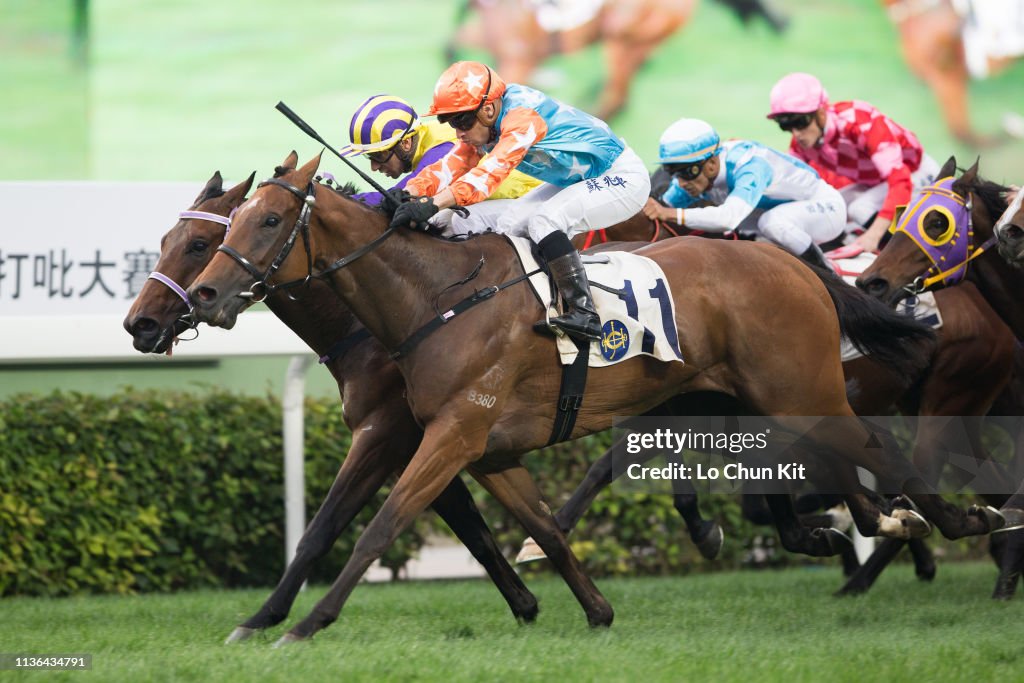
(465,120)
(685,171)
(791,122)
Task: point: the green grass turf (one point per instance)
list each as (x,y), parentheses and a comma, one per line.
(177,89)
(746,626)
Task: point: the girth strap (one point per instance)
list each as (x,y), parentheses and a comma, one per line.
(570,394)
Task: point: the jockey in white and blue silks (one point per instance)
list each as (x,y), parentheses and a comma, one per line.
(797,209)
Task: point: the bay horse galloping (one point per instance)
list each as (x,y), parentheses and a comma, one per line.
(384,433)
(947,239)
(756,349)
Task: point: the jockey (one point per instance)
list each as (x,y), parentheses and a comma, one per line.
(875,162)
(387,131)
(592,180)
(795,208)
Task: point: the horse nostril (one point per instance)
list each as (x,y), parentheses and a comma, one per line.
(876,286)
(144,327)
(206,294)
(1013,232)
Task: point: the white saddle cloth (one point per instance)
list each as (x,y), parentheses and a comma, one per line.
(637,315)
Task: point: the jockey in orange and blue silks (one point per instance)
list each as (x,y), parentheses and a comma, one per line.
(387,131)
(592,180)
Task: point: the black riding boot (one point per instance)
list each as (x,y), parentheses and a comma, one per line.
(814,257)
(580,320)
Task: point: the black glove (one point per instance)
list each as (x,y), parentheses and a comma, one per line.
(414,214)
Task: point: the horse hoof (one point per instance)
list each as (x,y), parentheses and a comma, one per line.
(916,526)
(288,639)
(1013,518)
(711,544)
(993,518)
(239,634)
(838,541)
(530,552)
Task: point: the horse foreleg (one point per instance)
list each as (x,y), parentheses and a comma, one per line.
(366,467)
(456,507)
(514,488)
(442,453)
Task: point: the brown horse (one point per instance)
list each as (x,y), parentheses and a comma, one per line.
(384,433)
(930,37)
(484,386)
(904,268)
(629,30)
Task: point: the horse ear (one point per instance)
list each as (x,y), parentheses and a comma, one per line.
(948,169)
(967,180)
(236,195)
(214,188)
(307,172)
(291,161)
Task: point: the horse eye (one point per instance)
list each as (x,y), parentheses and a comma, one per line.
(272,221)
(198,246)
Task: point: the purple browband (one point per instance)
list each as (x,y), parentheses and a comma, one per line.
(203,216)
(175,287)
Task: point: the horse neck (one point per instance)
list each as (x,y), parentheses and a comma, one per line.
(391,289)
(317,316)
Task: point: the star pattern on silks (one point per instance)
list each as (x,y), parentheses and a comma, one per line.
(562,108)
(538,158)
(577,168)
(531,98)
(492,164)
(473,81)
(478,181)
(524,140)
(444,176)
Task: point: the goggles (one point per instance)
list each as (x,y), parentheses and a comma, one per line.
(791,122)
(465,120)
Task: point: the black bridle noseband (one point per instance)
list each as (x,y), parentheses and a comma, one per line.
(261,288)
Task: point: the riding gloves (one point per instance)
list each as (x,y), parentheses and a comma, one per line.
(414,213)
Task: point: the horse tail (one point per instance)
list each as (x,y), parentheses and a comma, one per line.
(893,339)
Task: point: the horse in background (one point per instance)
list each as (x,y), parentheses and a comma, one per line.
(939,52)
(521,34)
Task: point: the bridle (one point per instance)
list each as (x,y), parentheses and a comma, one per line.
(951,252)
(189,320)
(262,288)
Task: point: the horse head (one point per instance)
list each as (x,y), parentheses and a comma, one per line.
(162,310)
(255,259)
(1010,232)
(946,226)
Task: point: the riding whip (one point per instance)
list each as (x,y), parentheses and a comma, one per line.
(308,130)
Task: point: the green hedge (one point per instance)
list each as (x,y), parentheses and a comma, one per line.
(156,491)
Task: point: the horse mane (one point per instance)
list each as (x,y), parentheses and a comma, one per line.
(992,195)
